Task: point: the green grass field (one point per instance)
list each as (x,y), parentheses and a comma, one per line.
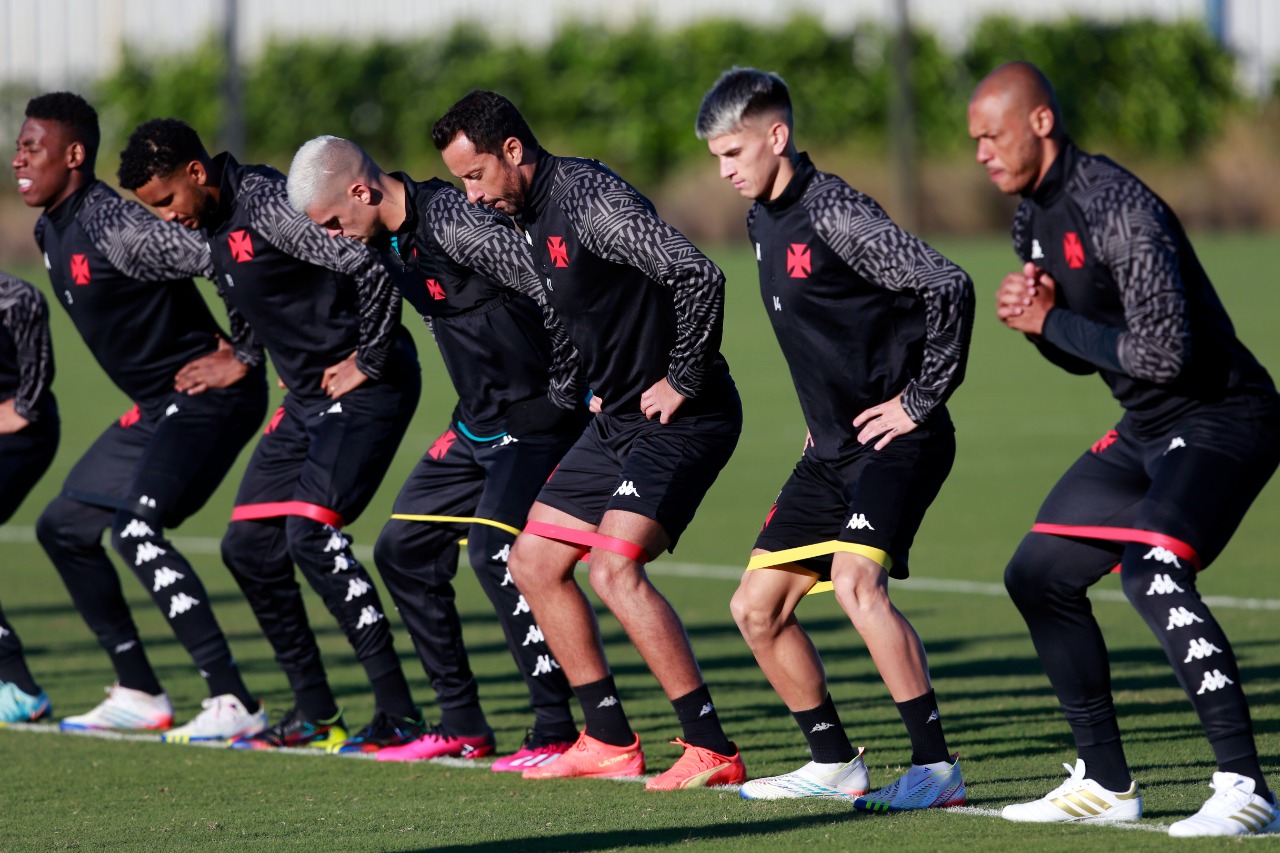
(1020,423)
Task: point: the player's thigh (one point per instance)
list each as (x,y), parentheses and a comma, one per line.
(25,456)
(514,475)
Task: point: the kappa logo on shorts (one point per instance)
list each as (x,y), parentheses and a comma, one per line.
(533,636)
(165,576)
(1213,681)
(1174,445)
(171,411)
(522,606)
(181,603)
(544,666)
(627,490)
(369,616)
(502,556)
(1164,584)
(335,409)
(1163,555)
(1200,649)
(859,522)
(1181,617)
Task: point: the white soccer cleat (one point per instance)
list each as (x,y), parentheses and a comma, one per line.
(841,781)
(1234,809)
(924,786)
(1078,800)
(223,718)
(125,708)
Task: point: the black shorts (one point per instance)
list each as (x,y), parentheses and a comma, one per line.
(876,498)
(331,453)
(497,479)
(172,455)
(660,471)
(1193,482)
(25,455)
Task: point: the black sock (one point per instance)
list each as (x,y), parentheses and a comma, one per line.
(391,695)
(13,669)
(1251,767)
(317,703)
(224,678)
(133,670)
(924,727)
(828,742)
(602,712)
(1105,764)
(701,723)
(467,721)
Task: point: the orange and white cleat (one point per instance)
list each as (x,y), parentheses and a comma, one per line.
(591,758)
(700,768)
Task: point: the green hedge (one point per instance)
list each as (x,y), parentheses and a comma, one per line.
(630,97)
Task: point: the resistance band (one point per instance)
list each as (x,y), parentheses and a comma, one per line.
(1123,534)
(821,549)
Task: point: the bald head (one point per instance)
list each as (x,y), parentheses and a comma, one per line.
(1015,119)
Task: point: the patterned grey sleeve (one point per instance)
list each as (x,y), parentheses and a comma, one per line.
(865,238)
(616,223)
(25,315)
(482,240)
(243,339)
(1130,231)
(141,245)
(294,234)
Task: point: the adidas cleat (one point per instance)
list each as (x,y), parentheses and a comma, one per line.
(924,786)
(1234,809)
(127,709)
(19,707)
(223,718)
(842,781)
(591,758)
(383,732)
(294,730)
(1078,800)
(437,743)
(700,768)
(534,752)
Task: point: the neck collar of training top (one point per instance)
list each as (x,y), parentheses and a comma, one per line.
(401,240)
(1054,182)
(228,179)
(68,207)
(540,187)
(804,172)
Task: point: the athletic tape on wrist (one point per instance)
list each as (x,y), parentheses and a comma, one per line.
(1122,534)
(278,509)
(774,559)
(458,519)
(587,539)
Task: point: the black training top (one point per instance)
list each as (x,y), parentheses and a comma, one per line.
(310,299)
(1133,302)
(639,300)
(863,310)
(468,273)
(26,352)
(124,277)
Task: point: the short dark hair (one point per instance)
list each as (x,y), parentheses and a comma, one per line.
(488,119)
(73,112)
(158,148)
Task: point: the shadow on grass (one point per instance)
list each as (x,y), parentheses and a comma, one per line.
(720,832)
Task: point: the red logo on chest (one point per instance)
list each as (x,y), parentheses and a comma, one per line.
(442,444)
(79,269)
(241,246)
(1073,249)
(559,254)
(435,288)
(798,263)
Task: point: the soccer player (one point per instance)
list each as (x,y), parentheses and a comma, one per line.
(875,327)
(1110,284)
(28,438)
(146,324)
(326,311)
(517,414)
(645,310)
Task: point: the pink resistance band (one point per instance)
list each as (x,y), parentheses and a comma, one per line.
(587,539)
(315,512)
(1123,534)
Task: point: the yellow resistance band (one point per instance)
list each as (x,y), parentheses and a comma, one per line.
(458,519)
(821,549)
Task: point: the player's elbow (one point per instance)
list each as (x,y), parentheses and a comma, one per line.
(1157,361)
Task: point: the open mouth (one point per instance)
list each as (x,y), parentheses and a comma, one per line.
(24,184)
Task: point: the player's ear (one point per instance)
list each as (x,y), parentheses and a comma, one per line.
(1042,122)
(779,138)
(76,155)
(197,173)
(361,193)
(513,151)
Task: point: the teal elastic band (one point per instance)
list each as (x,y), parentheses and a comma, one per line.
(462,428)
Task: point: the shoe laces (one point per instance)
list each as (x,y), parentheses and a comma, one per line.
(1227,799)
(701,757)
